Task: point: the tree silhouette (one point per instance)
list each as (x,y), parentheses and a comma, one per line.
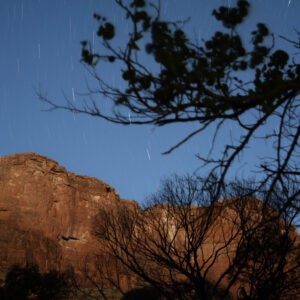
(202,83)
(187,246)
(205,84)
(27,283)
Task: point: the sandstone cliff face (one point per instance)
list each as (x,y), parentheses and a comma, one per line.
(46,213)
(47,216)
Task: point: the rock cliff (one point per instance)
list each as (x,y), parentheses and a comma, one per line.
(46,213)
(47,217)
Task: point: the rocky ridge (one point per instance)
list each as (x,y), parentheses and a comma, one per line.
(46,213)
(47,216)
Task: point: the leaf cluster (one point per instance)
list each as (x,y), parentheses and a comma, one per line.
(218,81)
(194,82)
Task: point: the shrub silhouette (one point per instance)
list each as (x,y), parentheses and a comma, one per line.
(145,293)
(28,283)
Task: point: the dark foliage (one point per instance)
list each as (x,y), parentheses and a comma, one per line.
(145,293)
(28,283)
(202,83)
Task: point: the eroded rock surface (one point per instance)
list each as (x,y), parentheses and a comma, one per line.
(46,213)
(47,216)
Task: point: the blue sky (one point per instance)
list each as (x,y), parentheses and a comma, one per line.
(41,48)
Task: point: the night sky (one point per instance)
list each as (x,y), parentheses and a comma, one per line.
(40,48)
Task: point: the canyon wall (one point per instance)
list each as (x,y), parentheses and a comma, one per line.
(46,213)
(47,218)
